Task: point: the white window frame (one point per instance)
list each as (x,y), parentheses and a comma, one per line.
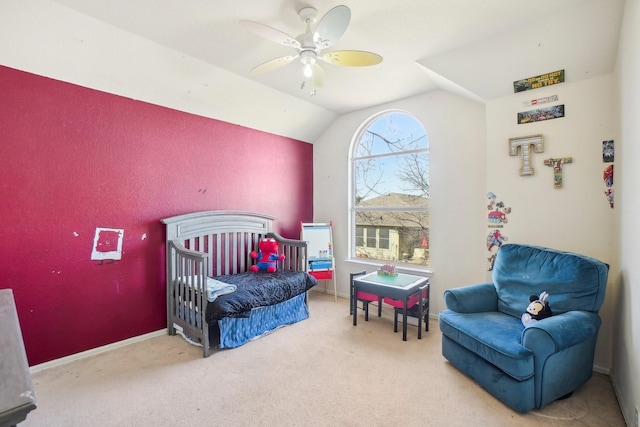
(351,202)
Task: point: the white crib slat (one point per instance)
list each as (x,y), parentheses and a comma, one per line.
(242,261)
(210,239)
(228,250)
(235,252)
(255,244)
(218,251)
(230,253)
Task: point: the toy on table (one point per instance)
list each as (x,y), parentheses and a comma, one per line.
(387,270)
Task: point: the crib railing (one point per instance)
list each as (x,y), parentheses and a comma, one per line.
(294,251)
(186,293)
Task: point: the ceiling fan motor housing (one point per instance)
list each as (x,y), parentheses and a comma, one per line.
(308,56)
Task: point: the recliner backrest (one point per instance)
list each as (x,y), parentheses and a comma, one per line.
(573,281)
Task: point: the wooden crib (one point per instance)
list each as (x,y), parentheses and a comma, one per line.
(216,246)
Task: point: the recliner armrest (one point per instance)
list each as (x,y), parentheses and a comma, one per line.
(477,298)
(560,331)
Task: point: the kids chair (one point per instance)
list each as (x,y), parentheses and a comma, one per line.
(417,306)
(484,337)
(365,297)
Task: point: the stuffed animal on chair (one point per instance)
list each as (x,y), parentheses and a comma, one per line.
(267,258)
(537,309)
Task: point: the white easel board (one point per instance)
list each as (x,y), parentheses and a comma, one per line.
(319,238)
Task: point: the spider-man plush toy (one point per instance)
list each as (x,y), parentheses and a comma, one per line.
(268,256)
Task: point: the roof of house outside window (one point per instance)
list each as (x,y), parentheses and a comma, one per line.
(394,219)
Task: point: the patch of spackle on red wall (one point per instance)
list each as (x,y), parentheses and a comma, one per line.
(107,244)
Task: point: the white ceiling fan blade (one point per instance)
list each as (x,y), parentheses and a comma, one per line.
(270,33)
(351,58)
(332,26)
(273,64)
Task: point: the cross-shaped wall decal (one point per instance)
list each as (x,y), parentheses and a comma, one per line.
(524,144)
(556,164)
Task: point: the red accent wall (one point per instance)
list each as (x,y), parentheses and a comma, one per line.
(75,159)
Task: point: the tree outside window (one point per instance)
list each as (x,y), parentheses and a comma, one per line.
(390,191)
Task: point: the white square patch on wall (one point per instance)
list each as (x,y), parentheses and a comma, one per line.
(107,244)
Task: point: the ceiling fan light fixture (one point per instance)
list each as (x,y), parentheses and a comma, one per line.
(308,58)
(307,71)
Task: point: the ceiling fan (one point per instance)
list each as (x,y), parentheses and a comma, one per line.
(310,44)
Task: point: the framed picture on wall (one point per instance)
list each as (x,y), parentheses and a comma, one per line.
(541,114)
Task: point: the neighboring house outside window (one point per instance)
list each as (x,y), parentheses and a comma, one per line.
(389,217)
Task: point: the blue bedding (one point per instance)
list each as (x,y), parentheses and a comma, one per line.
(257,289)
(236,331)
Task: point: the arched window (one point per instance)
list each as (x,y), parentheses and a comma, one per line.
(389,208)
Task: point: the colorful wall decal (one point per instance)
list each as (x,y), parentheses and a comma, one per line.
(538,81)
(556,164)
(496,219)
(608,156)
(608,151)
(607,176)
(497,215)
(548,113)
(495,239)
(609,194)
(107,244)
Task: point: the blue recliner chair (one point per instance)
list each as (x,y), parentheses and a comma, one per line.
(526,368)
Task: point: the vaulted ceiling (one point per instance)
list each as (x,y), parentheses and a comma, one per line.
(193,55)
(475,48)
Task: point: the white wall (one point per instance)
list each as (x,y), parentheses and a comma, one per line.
(576,217)
(455,129)
(625,372)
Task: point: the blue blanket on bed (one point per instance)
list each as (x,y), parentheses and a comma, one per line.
(257,289)
(215,288)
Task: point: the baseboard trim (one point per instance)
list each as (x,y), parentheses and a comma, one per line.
(622,402)
(94,351)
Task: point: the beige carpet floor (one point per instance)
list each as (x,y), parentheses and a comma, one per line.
(320,372)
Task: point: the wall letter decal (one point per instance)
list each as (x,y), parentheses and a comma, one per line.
(525,143)
(557,169)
